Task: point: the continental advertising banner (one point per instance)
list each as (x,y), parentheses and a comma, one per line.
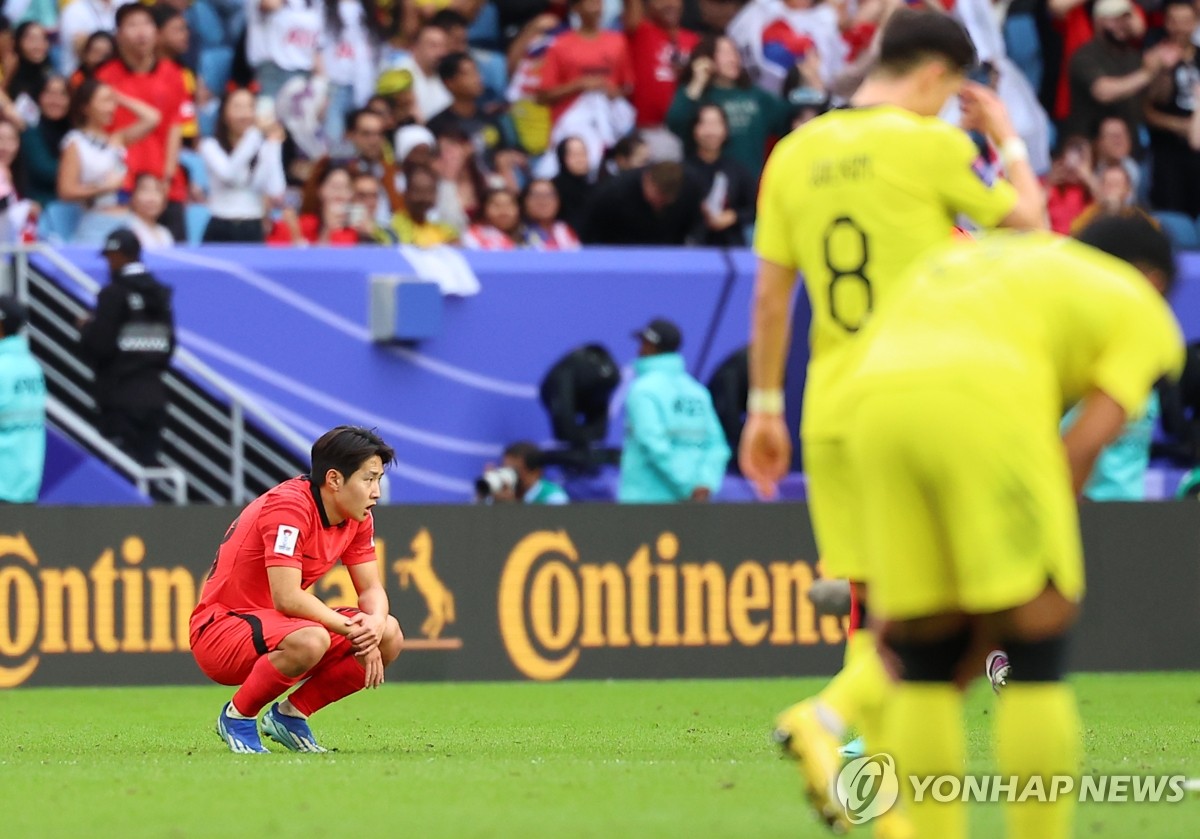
(99,596)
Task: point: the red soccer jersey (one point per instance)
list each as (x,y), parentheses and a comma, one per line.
(164,89)
(655,59)
(573,56)
(285,526)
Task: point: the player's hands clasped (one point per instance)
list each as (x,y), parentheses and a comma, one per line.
(372,663)
(366,631)
(765,453)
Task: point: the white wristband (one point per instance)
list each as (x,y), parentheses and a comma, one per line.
(1013,151)
(762,401)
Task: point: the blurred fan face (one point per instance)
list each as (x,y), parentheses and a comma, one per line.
(541,202)
(1114,141)
(1180,22)
(502,213)
(589,12)
(453,153)
(239,111)
(575,157)
(366,192)
(138,34)
(55,101)
(666,12)
(727,62)
(97,51)
(430,48)
(711,132)
(335,192)
(421,194)
(102,107)
(468,83)
(34,45)
(149,199)
(1118,28)
(1115,188)
(367,136)
(174,36)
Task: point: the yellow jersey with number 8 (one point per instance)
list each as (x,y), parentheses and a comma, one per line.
(850,200)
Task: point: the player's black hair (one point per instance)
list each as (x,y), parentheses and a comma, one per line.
(130,9)
(527,452)
(912,37)
(450,66)
(345,449)
(1135,239)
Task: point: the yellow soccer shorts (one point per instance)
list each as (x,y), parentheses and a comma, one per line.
(833,506)
(966,505)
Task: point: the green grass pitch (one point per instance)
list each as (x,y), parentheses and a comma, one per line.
(575,759)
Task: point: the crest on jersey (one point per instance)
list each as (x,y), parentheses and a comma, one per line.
(285,540)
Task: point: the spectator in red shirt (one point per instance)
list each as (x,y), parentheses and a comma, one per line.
(136,72)
(659,48)
(324,216)
(1070,184)
(585,59)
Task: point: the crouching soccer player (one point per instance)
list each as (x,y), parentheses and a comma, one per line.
(969,516)
(256,626)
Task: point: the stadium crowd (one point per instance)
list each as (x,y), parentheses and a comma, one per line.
(499,124)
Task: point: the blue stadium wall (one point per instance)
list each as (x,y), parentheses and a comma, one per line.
(290,326)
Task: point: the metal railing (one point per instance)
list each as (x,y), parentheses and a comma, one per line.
(186,402)
(79,428)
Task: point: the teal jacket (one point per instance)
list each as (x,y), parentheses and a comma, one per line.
(673,441)
(22,422)
(1120,470)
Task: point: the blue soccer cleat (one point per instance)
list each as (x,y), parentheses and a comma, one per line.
(291,732)
(240,735)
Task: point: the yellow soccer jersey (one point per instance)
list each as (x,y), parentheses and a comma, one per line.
(1030,322)
(850,200)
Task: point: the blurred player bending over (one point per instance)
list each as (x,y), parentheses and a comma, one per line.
(967,500)
(851,200)
(256,625)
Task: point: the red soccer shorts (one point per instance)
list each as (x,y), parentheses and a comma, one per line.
(227,643)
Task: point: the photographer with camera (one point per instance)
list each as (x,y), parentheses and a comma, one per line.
(519,479)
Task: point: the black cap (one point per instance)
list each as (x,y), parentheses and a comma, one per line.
(662,334)
(13,315)
(122,241)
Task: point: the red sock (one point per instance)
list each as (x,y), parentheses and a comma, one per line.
(328,682)
(264,683)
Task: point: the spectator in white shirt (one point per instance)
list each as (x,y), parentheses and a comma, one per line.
(92,168)
(79,19)
(282,37)
(146,204)
(245,170)
(429,47)
(348,55)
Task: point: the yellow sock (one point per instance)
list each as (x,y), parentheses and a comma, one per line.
(1038,733)
(924,731)
(857,693)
